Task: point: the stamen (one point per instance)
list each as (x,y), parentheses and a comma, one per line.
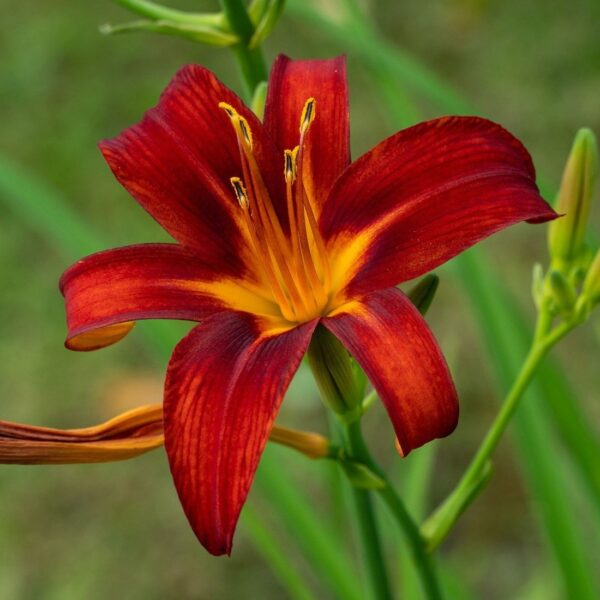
(294,265)
(246,131)
(308,115)
(240,192)
(240,124)
(289,173)
(262,251)
(289,170)
(304,211)
(228,108)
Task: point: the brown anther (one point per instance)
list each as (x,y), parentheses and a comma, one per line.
(240,192)
(308,115)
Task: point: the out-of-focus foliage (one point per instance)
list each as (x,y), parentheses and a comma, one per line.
(117,530)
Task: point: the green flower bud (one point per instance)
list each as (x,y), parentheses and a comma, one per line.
(537,285)
(264,18)
(203,34)
(334,373)
(422,294)
(566,234)
(561,291)
(591,285)
(258,99)
(206,28)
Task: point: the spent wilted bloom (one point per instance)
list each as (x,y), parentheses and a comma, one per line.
(278,233)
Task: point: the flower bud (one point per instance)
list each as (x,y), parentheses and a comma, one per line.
(310,444)
(537,285)
(206,28)
(334,373)
(591,285)
(422,294)
(566,235)
(264,17)
(561,291)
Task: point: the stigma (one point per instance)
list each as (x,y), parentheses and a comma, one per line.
(291,261)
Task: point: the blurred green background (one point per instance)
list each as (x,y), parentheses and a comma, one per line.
(117,530)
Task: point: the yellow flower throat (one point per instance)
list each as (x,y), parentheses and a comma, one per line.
(294,266)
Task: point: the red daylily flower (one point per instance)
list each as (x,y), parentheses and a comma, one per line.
(277,232)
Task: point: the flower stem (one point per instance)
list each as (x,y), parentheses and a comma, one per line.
(357,448)
(439,524)
(251,62)
(367,525)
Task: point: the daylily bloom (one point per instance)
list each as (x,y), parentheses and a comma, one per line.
(277,233)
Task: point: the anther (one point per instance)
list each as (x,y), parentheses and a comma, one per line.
(231,112)
(240,124)
(246,131)
(289,170)
(308,115)
(240,192)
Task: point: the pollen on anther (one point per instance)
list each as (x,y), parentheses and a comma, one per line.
(231,112)
(239,123)
(246,131)
(240,192)
(308,114)
(289,170)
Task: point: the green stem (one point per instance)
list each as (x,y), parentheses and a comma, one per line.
(424,564)
(367,525)
(251,63)
(440,523)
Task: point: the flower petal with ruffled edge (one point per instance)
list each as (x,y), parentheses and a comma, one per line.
(390,340)
(224,385)
(423,196)
(327,151)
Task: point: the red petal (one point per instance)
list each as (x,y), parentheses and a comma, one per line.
(224,385)
(390,340)
(178,161)
(105,292)
(327,153)
(426,194)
